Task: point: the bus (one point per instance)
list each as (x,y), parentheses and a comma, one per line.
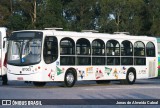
(158,43)
(3,50)
(49,55)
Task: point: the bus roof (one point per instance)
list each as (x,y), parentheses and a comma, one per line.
(90,35)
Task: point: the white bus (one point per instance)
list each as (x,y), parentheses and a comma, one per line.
(3,50)
(43,56)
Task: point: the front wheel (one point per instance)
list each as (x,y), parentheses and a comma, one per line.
(69,79)
(39,84)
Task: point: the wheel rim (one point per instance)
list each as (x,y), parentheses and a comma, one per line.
(131,76)
(70,78)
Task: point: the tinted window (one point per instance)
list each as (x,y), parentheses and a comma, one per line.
(67,46)
(50,51)
(83,47)
(127,61)
(150,49)
(139,48)
(98,47)
(67,51)
(113,60)
(139,61)
(112,48)
(126,48)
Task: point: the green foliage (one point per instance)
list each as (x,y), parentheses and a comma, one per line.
(50,14)
(4,14)
(139,17)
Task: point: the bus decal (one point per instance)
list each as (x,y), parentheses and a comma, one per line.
(57,63)
(115,73)
(51,75)
(59,71)
(89,70)
(142,72)
(123,70)
(81,74)
(99,74)
(108,70)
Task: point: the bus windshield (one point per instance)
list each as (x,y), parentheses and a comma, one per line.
(25,50)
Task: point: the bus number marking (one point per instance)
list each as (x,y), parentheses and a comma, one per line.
(26,69)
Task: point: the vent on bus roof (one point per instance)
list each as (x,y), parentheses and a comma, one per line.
(54,28)
(90,31)
(122,33)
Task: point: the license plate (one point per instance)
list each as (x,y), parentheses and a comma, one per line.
(19,78)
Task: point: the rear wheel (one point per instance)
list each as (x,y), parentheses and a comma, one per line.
(130,77)
(70,78)
(4,79)
(39,84)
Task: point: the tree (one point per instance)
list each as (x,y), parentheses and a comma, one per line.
(131,19)
(139,17)
(80,14)
(29,9)
(50,14)
(120,16)
(154,9)
(105,18)
(4,13)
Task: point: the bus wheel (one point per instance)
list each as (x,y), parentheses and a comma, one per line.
(4,79)
(130,77)
(70,78)
(103,81)
(39,84)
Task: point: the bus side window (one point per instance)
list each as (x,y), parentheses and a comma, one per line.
(50,50)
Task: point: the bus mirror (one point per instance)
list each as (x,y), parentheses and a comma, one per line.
(4,41)
(3,44)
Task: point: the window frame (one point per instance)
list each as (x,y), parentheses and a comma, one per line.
(101,48)
(123,48)
(136,53)
(71,45)
(82,58)
(67,58)
(113,48)
(154,50)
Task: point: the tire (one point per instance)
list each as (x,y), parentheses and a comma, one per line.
(4,80)
(130,77)
(103,81)
(39,84)
(70,78)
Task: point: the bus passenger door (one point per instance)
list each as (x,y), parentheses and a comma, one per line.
(50,50)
